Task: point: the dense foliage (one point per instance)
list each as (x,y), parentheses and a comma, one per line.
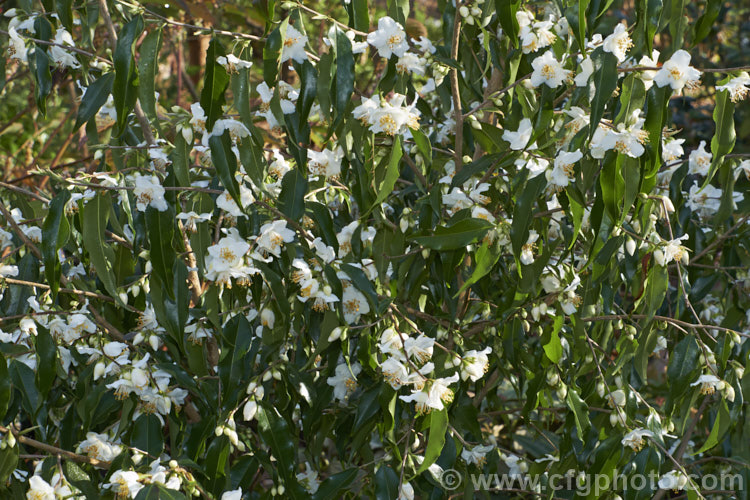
(370,250)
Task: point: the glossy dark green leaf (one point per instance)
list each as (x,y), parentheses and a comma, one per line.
(46,358)
(360,15)
(160,227)
(386,484)
(605,82)
(292,196)
(436,440)
(95,216)
(275,432)
(344,73)
(55,232)
(272,53)
(485,258)
(522,213)
(460,234)
(385,187)
(148,62)
(225,162)
(155,491)
(215,83)
(580,412)
(725,136)
(682,364)
(719,428)
(336,483)
(506,13)
(95,97)
(125,86)
(5,386)
(147,435)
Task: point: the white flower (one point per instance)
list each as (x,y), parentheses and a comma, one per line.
(707,200)
(562,172)
(309,479)
(237,130)
(420,348)
(677,72)
(618,43)
(700,160)
(647,76)
(267,318)
(326,253)
(198,121)
(709,384)
(6,270)
(743,167)
(672,251)
(392,118)
(225,260)
(410,63)
(406,492)
(635,439)
(395,372)
(672,150)
(17,49)
(273,236)
(527,251)
(475,364)
(344,381)
(124,484)
(424,44)
(355,304)
(232,63)
(673,480)
(99,446)
(192,219)
(294,46)
(628,141)
(519,139)
(39,489)
(738,87)
(61,56)
(149,191)
(516,466)
(476,455)
(326,162)
(389,38)
(435,398)
(548,70)
(579,120)
(232,495)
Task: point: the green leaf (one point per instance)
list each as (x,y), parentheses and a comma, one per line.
(344,73)
(225,162)
(724,138)
(391,175)
(678,22)
(359,17)
(95,217)
(125,87)
(522,213)
(683,362)
(160,226)
(40,63)
(462,233)
(292,196)
(239,335)
(55,232)
(147,435)
(5,386)
(148,62)
(215,83)
(275,432)
(436,440)
(553,349)
(272,53)
(423,144)
(506,13)
(485,258)
(386,484)
(46,358)
(719,428)
(8,463)
(656,288)
(334,484)
(580,412)
(605,83)
(94,98)
(155,491)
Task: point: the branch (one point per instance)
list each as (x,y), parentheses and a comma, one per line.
(75,457)
(455,93)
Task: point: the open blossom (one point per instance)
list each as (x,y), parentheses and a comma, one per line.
(738,87)
(389,38)
(149,191)
(273,236)
(475,364)
(355,304)
(647,76)
(562,172)
(434,398)
(700,160)
(587,69)
(476,455)
(17,49)
(519,139)
(232,63)
(326,163)
(294,46)
(677,72)
(636,439)
(61,56)
(99,446)
(390,117)
(410,63)
(548,71)
(527,251)
(419,348)
(672,150)
(124,483)
(673,480)
(672,251)
(709,384)
(225,260)
(344,381)
(618,43)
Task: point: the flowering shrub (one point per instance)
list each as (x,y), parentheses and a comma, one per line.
(350,248)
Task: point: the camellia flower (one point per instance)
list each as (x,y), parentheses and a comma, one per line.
(420,348)
(519,139)
(635,439)
(738,87)
(326,163)
(124,484)
(559,177)
(294,45)
(389,38)
(677,72)
(410,63)
(309,479)
(392,118)
(273,236)
(587,69)
(474,364)
(671,150)
(618,43)
(355,304)
(647,76)
(232,63)
(434,398)
(17,49)
(548,70)
(477,455)
(149,191)
(709,384)
(344,381)
(39,489)
(232,495)
(527,251)
(672,251)
(673,480)
(61,56)
(700,160)
(225,260)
